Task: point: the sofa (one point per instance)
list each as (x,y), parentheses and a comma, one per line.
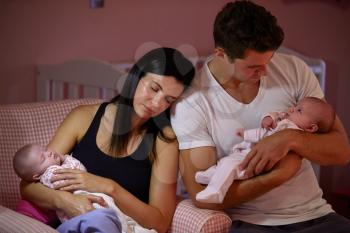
(36,122)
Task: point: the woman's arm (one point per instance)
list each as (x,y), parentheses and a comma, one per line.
(158,213)
(67,135)
(72,205)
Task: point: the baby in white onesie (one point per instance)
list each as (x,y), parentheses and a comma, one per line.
(310,114)
(34,162)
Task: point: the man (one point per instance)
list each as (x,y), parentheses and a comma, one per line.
(243,80)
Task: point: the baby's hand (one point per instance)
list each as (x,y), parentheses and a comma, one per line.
(268,123)
(283,115)
(240,132)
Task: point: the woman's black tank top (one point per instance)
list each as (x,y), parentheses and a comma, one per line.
(132,172)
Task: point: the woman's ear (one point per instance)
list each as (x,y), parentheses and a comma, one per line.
(312,128)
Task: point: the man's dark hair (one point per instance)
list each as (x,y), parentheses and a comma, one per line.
(243,25)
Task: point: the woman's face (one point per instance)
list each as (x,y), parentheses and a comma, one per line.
(154,94)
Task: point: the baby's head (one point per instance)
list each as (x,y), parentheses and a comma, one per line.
(31,161)
(313,115)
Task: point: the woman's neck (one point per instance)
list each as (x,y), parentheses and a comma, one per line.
(137,124)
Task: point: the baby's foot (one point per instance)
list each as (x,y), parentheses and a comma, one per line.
(210,195)
(203,177)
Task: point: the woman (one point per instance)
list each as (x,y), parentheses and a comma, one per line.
(127,146)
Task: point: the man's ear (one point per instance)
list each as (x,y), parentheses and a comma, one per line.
(36,177)
(219,52)
(312,128)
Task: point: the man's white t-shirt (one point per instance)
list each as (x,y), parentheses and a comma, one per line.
(207,115)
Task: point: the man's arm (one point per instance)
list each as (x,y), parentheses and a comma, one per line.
(325,149)
(197,159)
(330,148)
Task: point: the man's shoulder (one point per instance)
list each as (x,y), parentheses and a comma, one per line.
(195,90)
(287,68)
(283,59)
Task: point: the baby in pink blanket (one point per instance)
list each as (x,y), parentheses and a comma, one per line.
(310,114)
(34,162)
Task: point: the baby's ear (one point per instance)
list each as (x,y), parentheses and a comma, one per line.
(36,177)
(312,128)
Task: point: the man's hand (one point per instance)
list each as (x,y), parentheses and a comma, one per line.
(266,153)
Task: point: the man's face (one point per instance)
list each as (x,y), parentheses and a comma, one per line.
(252,67)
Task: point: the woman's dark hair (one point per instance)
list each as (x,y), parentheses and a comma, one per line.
(243,25)
(161,61)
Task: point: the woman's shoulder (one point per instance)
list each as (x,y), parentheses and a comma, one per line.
(169,132)
(82,115)
(84,111)
(166,136)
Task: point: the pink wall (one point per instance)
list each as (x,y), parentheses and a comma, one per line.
(36,31)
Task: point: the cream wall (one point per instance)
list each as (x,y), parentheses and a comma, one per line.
(50,31)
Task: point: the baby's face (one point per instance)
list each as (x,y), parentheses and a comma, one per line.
(41,158)
(302,114)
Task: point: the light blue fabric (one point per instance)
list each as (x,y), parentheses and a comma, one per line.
(96,221)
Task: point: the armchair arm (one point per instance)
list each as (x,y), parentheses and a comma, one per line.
(188,218)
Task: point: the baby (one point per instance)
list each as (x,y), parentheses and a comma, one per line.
(34,162)
(310,114)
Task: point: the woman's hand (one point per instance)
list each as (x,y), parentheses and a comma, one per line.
(73,179)
(74,205)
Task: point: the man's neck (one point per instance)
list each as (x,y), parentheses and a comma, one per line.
(242,91)
(219,72)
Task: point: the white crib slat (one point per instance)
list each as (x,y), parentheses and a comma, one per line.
(73,91)
(92,92)
(56,90)
(86,73)
(109,94)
